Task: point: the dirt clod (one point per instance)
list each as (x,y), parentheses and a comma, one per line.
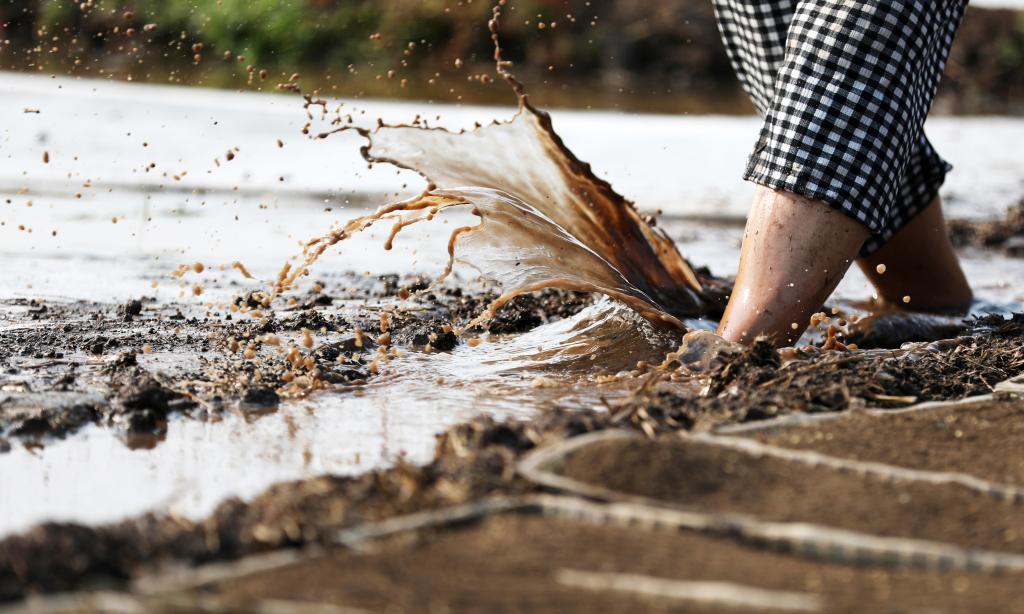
(130,309)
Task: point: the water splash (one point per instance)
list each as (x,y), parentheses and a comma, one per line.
(545,219)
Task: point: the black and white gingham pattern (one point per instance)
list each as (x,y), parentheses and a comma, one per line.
(845,87)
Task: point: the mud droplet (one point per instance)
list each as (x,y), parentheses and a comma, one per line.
(46,157)
(543,382)
(241,269)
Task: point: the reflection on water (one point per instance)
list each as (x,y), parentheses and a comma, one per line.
(93,476)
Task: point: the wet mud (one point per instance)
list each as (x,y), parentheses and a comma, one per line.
(518,562)
(983,441)
(478,459)
(548,236)
(1006,235)
(754,384)
(710,478)
(130,366)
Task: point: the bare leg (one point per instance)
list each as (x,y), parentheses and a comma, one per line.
(795,251)
(920,263)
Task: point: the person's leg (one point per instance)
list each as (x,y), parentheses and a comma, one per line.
(795,251)
(921,269)
(843,131)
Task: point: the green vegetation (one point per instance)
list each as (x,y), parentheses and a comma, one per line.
(610,49)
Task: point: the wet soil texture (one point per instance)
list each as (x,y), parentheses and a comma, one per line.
(479,458)
(710,478)
(980,440)
(131,366)
(755,384)
(1006,235)
(520,563)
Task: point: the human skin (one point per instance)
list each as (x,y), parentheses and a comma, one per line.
(796,250)
(920,264)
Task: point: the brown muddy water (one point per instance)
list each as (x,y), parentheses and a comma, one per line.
(114,187)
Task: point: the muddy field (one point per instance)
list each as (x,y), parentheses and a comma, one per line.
(298,421)
(130,366)
(983,441)
(703,476)
(71,365)
(517,562)
(1006,235)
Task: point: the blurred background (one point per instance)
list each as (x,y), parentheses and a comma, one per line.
(662,56)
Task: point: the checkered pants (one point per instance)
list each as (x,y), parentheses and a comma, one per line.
(844,87)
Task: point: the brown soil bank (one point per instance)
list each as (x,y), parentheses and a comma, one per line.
(984,441)
(714,479)
(517,563)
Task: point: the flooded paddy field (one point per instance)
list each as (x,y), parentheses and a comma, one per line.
(153,409)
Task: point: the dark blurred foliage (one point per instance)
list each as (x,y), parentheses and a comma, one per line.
(985,72)
(602,52)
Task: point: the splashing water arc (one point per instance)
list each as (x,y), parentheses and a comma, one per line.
(545,219)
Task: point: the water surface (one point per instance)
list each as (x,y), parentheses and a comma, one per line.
(257,209)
